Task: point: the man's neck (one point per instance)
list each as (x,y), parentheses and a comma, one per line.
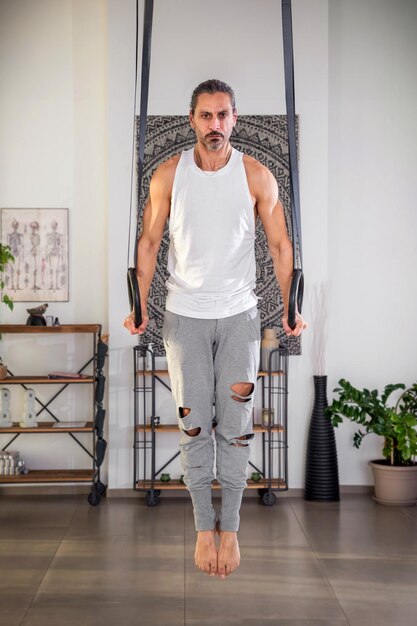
(211,161)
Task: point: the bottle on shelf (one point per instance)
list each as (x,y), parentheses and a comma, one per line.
(148,360)
(269,342)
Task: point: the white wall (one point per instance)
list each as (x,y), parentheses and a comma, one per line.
(53,155)
(246,50)
(372,213)
(66,70)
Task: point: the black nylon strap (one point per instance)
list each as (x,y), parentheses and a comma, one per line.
(132,280)
(144,93)
(292,143)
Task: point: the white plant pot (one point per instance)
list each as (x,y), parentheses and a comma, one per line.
(394,486)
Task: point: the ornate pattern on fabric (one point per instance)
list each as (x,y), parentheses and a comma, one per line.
(265,138)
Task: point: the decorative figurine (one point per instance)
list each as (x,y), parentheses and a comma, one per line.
(36,317)
(29,413)
(5,416)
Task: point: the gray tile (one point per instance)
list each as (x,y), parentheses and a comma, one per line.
(125,563)
(112,580)
(357,527)
(156,610)
(410,512)
(276,525)
(20,516)
(374,591)
(111,611)
(273,621)
(23,565)
(128,516)
(260,525)
(272,582)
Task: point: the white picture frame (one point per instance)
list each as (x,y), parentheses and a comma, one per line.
(38,239)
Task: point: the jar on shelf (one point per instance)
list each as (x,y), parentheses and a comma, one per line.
(269,343)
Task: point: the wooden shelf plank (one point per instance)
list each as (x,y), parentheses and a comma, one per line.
(276,428)
(156,372)
(47,427)
(278,373)
(49,330)
(277,484)
(165,372)
(50,476)
(44,380)
(173,428)
(163,428)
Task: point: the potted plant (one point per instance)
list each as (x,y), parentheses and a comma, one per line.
(5,257)
(395,476)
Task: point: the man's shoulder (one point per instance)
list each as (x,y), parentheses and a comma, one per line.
(255,171)
(163,176)
(167,168)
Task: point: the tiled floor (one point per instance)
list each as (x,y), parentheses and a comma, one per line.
(65,563)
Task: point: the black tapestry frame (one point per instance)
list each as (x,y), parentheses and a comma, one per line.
(265,138)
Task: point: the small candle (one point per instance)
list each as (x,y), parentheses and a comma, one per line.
(267,417)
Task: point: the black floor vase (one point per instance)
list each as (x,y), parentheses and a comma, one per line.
(322,475)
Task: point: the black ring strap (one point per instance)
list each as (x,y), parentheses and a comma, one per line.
(297,282)
(132,281)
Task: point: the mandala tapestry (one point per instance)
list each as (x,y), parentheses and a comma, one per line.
(265,138)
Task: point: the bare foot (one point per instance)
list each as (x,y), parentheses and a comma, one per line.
(228,558)
(205,552)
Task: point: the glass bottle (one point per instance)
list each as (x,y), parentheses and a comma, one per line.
(269,342)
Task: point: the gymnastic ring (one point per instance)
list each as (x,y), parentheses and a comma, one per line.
(296,297)
(134,296)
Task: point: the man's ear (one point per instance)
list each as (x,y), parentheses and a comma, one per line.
(234,117)
(191,117)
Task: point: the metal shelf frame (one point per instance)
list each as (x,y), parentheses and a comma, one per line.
(96,379)
(274,465)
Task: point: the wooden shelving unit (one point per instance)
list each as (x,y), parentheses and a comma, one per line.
(50,476)
(274,466)
(48,427)
(94,379)
(45,380)
(177,484)
(261,374)
(173,428)
(50,330)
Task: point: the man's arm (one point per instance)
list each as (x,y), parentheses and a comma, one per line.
(264,189)
(155,215)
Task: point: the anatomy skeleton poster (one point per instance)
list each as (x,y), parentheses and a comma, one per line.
(38,239)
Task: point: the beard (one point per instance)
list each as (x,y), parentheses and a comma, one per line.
(214,142)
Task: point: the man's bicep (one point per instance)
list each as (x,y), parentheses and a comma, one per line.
(156,212)
(271,214)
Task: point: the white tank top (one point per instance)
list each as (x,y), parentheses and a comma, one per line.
(211,258)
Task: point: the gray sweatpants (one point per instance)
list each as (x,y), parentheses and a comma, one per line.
(206,358)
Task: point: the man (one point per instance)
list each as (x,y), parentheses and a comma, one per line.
(212,195)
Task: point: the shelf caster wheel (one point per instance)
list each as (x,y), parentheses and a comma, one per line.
(101,488)
(152,498)
(94,498)
(269,498)
(262,491)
